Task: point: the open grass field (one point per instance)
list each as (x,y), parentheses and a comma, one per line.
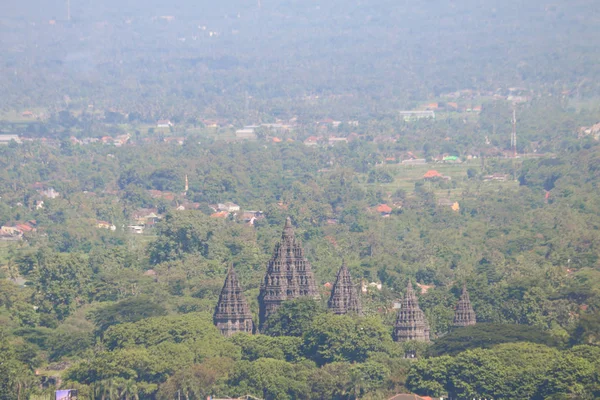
(405,178)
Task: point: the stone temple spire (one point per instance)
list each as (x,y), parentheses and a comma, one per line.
(411,323)
(344,298)
(464,314)
(289,275)
(232,314)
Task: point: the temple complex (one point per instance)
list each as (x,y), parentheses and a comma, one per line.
(232,313)
(344,298)
(410,322)
(464,314)
(289,275)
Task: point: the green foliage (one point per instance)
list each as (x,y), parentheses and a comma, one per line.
(487,336)
(129,310)
(530,262)
(16,379)
(253,347)
(195,382)
(332,381)
(429,376)
(293,317)
(194,330)
(534,371)
(182,233)
(271,379)
(334,338)
(61,283)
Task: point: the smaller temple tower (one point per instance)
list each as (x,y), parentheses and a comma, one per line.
(344,298)
(232,313)
(464,314)
(411,323)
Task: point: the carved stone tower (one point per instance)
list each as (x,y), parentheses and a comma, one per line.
(410,322)
(232,314)
(289,275)
(344,298)
(464,314)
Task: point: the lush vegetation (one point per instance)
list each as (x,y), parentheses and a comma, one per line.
(109,286)
(118,314)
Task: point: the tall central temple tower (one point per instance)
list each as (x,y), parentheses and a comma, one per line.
(289,275)
(411,323)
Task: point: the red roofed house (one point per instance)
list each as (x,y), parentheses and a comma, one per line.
(24,227)
(407,396)
(220,214)
(384,210)
(432,174)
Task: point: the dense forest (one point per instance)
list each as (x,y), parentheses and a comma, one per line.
(114,313)
(246,61)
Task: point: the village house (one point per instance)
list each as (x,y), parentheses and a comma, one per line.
(415,161)
(145,216)
(16,231)
(407,396)
(174,140)
(496,177)
(187,205)
(593,131)
(228,206)
(105,225)
(417,114)
(247,133)
(121,140)
(159,194)
(6,139)
(328,122)
(220,214)
(10,233)
(365,286)
(451,160)
(433,175)
(312,141)
(49,193)
(139,229)
(164,123)
(250,217)
(384,210)
(335,140)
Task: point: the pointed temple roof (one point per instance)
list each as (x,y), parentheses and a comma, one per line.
(289,275)
(464,314)
(411,323)
(344,298)
(232,313)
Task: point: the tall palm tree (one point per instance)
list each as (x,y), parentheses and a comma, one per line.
(109,389)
